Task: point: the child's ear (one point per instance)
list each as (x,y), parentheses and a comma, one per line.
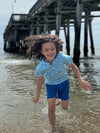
(41,52)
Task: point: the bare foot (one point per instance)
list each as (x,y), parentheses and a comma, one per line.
(53,131)
(58,102)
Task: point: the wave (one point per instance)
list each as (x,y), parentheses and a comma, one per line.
(90,57)
(14,62)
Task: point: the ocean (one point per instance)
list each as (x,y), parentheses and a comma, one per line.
(19,114)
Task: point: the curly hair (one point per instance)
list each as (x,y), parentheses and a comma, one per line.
(34,44)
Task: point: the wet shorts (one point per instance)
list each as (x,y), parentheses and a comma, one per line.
(60,91)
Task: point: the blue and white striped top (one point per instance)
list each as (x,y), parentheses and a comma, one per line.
(56,72)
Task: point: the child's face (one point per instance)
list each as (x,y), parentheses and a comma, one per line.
(49,51)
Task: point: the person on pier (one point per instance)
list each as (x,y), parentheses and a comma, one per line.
(53,66)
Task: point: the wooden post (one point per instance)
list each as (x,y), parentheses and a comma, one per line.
(86,34)
(31,30)
(38,25)
(5,45)
(15,40)
(58,17)
(67,38)
(91,38)
(46,22)
(9,41)
(77,32)
(15,35)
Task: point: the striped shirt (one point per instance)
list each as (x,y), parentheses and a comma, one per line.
(56,72)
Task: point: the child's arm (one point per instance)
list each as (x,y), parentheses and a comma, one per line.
(39,86)
(84,84)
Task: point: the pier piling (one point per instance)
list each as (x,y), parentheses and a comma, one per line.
(77,32)
(86,34)
(91,38)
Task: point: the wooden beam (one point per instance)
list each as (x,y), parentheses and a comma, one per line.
(77,33)
(46,22)
(58,17)
(91,37)
(86,34)
(38,25)
(68,11)
(67,38)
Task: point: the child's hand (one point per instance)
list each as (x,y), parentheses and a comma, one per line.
(36,99)
(84,84)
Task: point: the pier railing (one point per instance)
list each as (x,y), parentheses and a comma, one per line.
(38,6)
(17,17)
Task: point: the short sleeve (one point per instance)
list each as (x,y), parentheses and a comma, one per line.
(67,59)
(39,72)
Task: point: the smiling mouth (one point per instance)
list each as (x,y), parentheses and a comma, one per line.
(50,55)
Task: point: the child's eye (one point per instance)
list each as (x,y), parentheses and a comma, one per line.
(46,50)
(52,49)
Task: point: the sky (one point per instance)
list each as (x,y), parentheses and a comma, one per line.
(7,7)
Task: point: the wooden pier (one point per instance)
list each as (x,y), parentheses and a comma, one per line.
(48,15)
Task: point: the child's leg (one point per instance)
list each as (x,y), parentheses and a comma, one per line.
(51,112)
(58,102)
(64,104)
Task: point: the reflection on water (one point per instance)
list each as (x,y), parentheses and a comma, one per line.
(90,69)
(18,113)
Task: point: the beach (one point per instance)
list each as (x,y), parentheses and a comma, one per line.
(19,114)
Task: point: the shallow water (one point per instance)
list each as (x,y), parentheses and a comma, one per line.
(18,113)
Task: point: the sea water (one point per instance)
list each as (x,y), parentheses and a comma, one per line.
(19,114)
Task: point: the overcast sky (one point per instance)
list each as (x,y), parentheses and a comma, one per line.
(7,7)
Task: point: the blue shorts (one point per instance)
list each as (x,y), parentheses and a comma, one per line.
(60,91)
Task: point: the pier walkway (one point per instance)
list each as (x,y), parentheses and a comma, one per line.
(48,15)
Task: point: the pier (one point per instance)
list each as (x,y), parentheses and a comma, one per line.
(48,15)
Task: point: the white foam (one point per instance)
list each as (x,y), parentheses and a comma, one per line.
(14,62)
(86,91)
(45,110)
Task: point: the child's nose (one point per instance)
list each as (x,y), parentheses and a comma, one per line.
(49,51)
